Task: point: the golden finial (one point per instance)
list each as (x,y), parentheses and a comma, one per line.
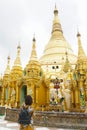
(78,34)
(66,53)
(7,71)
(17,61)
(34,38)
(19,47)
(34,42)
(55,10)
(33,52)
(8,57)
(55,7)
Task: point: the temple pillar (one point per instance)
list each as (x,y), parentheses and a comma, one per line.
(86,88)
(9,95)
(86,107)
(73,98)
(32,89)
(36,95)
(28,90)
(85,94)
(3,97)
(17,97)
(17,93)
(47,95)
(77,105)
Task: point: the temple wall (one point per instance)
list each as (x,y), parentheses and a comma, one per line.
(53,119)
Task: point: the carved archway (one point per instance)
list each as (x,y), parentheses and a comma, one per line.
(23,93)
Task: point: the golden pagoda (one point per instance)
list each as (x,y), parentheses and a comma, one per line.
(79,84)
(58,80)
(5,83)
(57,46)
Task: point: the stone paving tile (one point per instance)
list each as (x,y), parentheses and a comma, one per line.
(7,125)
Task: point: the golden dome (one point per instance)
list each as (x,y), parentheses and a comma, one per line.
(57,45)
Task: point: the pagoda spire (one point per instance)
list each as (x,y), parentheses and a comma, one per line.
(33,67)
(17,68)
(33,52)
(7,71)
(17,61)
(81,53)
(56,29)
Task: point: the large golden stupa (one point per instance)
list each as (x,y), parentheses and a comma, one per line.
(57,46)
(57,81)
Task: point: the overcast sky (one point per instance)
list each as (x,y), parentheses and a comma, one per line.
(20,19)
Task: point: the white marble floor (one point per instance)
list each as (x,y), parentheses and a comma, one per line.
(7,125)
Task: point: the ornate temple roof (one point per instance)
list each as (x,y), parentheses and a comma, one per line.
(57,45)
(33,67)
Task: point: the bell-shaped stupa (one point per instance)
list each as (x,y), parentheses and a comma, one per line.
(57,46)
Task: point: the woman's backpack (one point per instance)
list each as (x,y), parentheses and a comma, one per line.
(24,117)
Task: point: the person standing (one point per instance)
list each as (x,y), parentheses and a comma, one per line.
(26,123)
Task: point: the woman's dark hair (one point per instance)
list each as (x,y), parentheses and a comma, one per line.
(28,100)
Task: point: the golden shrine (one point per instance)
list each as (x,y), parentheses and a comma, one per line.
(58,80)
